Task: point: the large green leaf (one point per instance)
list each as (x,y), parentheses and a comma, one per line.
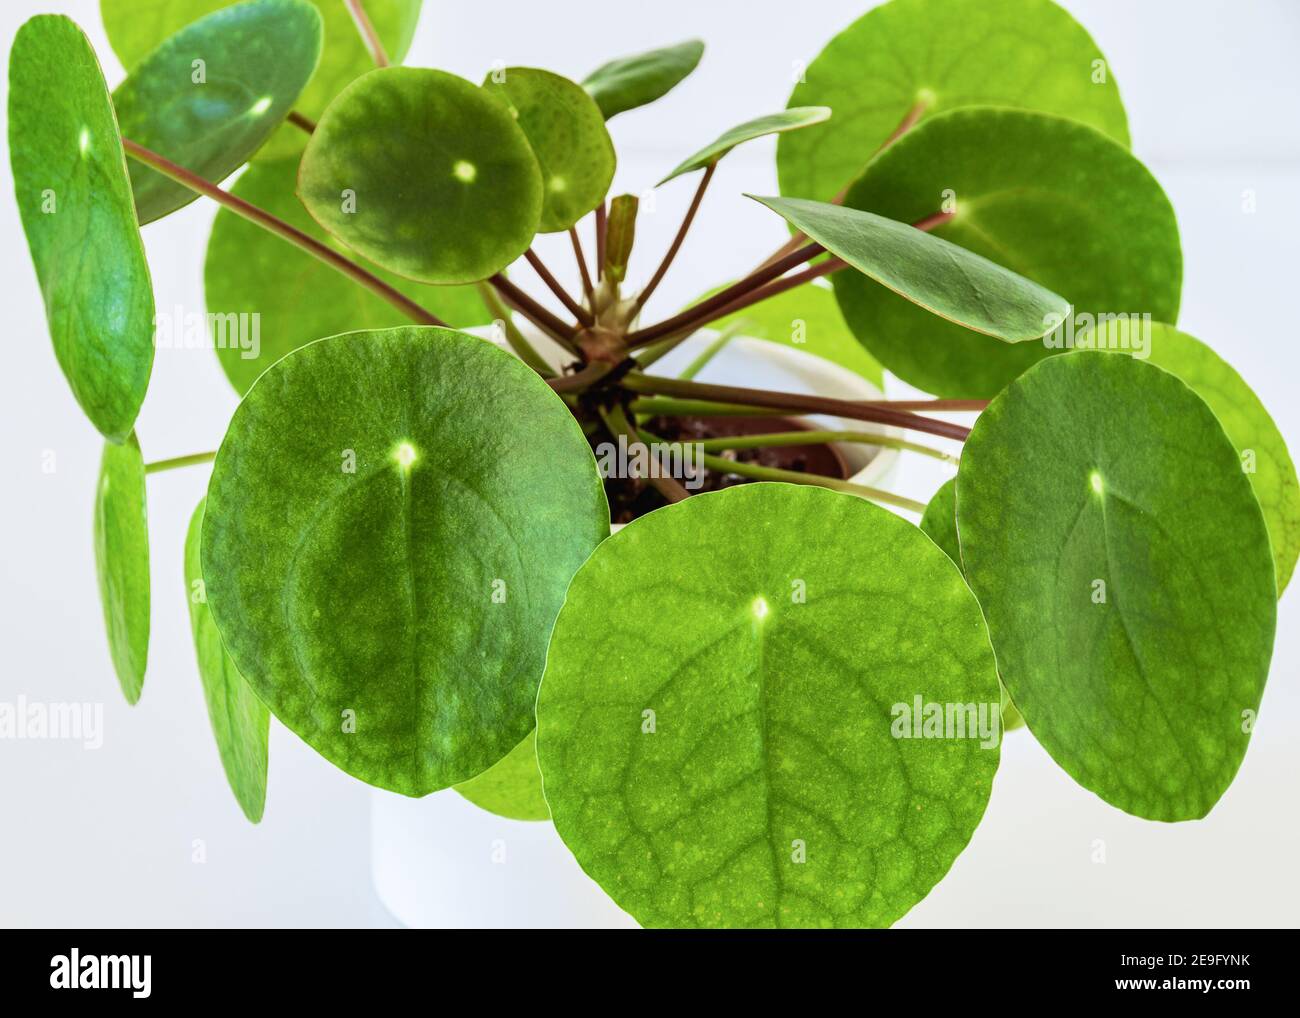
(1263,449)
(806,318)
(240,721)
(512,787)
(135,27)
(775,123)
(1050,199)
(946,280)
(1123,565)
(296,298)
(209,96)
(122,561)
(424,174)
(568,135)
(921,57)
(392,520)
(70,182)
(629,82)
(721,750)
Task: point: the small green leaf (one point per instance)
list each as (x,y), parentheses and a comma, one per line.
(122,561)
(512,787)
(939,522)
(620,235)
(1123,565)
(240,721)
(914,58)
(296,298)
(1265,458)
(392,520)
(724,748)
(209,96)
(629,82)
(1030,203)
(344,56)
(775,123)
(949,281)
(425,175)
(73,194)
(568,135)
(808,319)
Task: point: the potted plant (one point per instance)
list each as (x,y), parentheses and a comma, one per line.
(763,703)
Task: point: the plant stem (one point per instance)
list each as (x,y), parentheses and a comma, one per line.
(618,424)
(762,473)
(303,122)
(580,380)
(517,340)
(600,241)
(824,268)
(673,248)
(669,343)
(880,412)
(159,466)
(692,315)
(534,312)
(368,34)
(785,438)
(577,310)
(283,230)
(668,406)
(710,351)
(582,265)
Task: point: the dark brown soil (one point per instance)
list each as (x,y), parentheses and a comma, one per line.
(632,497)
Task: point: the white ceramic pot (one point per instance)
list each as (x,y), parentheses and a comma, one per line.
(441,861)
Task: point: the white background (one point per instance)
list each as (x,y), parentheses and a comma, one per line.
(106,838)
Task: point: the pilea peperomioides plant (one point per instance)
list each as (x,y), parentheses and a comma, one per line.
(771,703)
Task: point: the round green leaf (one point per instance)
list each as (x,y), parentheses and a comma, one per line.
(392,520)
(1047,198)
(135,27)
(721,750)
(775,123)
(122,561)
(296,298)
(512,787)
(568,135)
(240,721)
(806,318)
(70,182)
(925,57)
(1265,458)
(946,280)
(424,174)
(1123,565)
(629,82)
(939,521)
(211,94)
